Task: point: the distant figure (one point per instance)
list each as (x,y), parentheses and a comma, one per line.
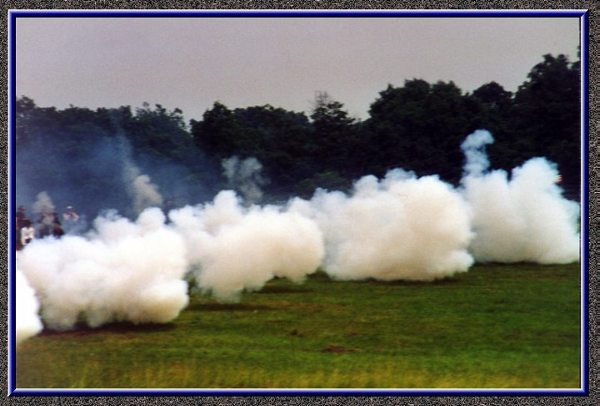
(47,222)
(27,233)
(70,214)
(19,223)
(169,204)
(57,230)
(20,216)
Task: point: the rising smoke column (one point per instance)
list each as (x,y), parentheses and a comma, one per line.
(27,322)
(143,192)
(524,218)
(139,186)
(232,248)
(245,176)
(123,271)
(43,204)
(401,227)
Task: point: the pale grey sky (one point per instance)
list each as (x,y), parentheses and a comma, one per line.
(192,62)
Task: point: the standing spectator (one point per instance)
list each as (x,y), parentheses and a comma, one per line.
(70,214)
(27,233)
(19,225)
(57,230)
(47,221)
(20,216)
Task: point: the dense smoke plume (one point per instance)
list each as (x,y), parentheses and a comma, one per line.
(122,271)
(524,218)
(401,227)
(232,248)
(28,322)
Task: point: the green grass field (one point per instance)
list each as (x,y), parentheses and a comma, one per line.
(496,326)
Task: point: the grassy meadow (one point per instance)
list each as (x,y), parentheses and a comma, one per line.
(496,326)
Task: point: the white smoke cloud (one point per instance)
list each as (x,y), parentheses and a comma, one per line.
(144,193)
(233,249)
(524,218)
(27,321)
(245,177)
(401,227)
(122,271)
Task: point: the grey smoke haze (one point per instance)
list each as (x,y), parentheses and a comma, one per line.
(474,149)
(103,164)
(139,186)
(107,174)
(191,62)
(144,193)
(43,204)
(245,177)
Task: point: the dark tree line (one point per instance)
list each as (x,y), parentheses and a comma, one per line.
(418,126)
(84,158)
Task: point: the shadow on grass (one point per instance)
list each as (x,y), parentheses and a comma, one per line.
(438,282)
(322,276)
(226,307)
(282,289)
(120,327)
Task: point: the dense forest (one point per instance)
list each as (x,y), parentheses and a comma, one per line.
(89,158)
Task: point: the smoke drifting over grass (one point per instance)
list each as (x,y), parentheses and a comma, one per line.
(399,227)
(122,271)
(524,218)
(28,322)
(232,248)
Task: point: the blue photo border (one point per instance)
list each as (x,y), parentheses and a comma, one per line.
(583,16)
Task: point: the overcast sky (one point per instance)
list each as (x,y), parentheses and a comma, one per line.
(192,62)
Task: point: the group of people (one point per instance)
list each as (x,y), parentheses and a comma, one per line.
(48,224)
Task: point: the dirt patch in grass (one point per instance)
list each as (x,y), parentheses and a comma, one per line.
(338,349)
